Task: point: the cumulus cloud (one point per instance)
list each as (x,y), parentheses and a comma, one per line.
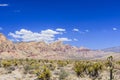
(49,31)
(27,35)
(64,39)
(114,29)
(3,5)
(75,29)
(81,32)
(60,29)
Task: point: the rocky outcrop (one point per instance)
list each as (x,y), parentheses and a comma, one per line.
(42,50)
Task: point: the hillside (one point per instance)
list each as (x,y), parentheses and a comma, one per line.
(42,61)
(112,49)
(42,50)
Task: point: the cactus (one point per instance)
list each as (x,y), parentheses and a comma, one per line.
(45,74)
(79,68)
(94,69)
(61,63)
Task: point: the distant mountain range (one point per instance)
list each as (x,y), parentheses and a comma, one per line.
(112,49)
(41,50)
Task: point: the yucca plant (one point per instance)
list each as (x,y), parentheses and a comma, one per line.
(79,68)
(94,69)
(110,66)
(61,63)
(45,74)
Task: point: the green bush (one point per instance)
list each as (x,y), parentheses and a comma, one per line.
(61,63)
(30,66)
(79,68)
(6,63)
(94,69)
(44,75)
(118,62)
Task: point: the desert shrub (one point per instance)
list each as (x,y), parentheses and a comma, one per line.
(10,69)
(79,68)
(94,69)
(6,63)
(61,63)
(46,61)
(37,72)
(15,62)
(26,68)
(0,64)
(118,62)
(30,66)
(51,61)
(51,66)
(87,68)
(44,75)
(63,74)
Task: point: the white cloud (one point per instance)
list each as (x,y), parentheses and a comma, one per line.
(60,29)
(64,39)
(75,39)
(16,40)
(75,29)
(1,28)
(3,5)
(114,29)
(27,35)
(23,31)
(14,35)
(49,31)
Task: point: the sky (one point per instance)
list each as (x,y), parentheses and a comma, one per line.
(94,24)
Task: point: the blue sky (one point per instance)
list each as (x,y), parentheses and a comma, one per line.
(91,23)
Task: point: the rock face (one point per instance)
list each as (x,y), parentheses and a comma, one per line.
(42,50)
(2,38)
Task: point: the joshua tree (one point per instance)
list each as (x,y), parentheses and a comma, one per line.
(110,64)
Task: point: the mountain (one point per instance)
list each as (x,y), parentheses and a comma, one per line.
(42,50)
(112,49)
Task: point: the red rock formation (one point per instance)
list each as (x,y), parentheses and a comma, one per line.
(42,50)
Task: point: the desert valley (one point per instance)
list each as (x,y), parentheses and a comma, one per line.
(55,61)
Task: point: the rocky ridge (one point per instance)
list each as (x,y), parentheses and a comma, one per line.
(42,50)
